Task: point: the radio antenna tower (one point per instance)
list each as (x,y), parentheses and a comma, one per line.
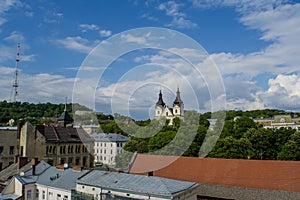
(16,81)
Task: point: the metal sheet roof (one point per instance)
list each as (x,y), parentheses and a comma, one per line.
(63,179)
(110,137)
(146,185)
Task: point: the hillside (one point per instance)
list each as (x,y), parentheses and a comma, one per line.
(33,112)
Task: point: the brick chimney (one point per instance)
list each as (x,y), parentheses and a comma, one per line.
(34,162)
(22,161)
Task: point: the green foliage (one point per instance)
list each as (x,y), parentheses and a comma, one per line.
(111,127)
(241,126)
(291,149)
(230,147)
(123,160)
(36,113)
(160,140)
(137,145)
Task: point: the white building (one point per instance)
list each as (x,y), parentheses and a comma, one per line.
(162,110)
(53,183)
(107,146)
(113,185)
(280,121)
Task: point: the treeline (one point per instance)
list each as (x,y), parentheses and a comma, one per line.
(35,113)
(240,138)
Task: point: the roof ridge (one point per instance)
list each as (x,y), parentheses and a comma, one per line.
(55,132)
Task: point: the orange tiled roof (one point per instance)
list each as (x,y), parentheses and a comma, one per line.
(263,174)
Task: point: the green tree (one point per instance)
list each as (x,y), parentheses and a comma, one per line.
(241,125)
(230,147)
(291,150)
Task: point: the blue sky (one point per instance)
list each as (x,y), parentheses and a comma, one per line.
(255,44)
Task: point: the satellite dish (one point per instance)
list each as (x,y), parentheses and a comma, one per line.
(22,174)
(66,165)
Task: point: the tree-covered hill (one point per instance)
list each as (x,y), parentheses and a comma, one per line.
(20,111)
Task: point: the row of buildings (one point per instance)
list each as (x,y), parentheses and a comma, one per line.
(280,121)
(59,143)
(65,183)
(159,177)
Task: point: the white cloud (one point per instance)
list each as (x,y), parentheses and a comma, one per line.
(45,87)
(6,5)
(105,33)
(173,9)
(129,38)
(283,93)
(75,43)
(88,27)
(15,36)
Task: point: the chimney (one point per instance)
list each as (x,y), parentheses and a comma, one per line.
(150,173)
(60,167)
(77,168)
(16,158)
(22,161)
(34,162)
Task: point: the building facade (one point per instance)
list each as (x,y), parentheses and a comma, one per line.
(162,110)
(8,145)
(280,121)
(107,146)
(56,145)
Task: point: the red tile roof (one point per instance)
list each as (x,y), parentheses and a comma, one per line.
(263,174)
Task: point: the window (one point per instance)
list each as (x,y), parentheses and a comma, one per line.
(65,197)
(77,160)
(28,194)
(118,144)
(111,151)
(104,151)
(21,152)
(70,161)
(50,194)
(110,144)
(176,111)
(37,194)
(58,196)
(44,194)
(84,161)
(158,112)
(1,150)
(167,113)
(0,166)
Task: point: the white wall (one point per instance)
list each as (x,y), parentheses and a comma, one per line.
(105,152)
(52,193)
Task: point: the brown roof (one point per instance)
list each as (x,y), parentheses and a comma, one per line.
(263,174)
(63,134)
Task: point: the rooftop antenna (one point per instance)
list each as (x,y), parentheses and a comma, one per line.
(16,81)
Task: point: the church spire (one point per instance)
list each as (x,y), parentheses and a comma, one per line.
(160,101)
(177,100)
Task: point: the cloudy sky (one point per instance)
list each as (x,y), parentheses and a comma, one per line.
(250,49)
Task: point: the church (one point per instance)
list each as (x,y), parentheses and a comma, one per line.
(162,110)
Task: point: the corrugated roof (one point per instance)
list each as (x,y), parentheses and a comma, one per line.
(263,174)
(63,179)
(110,137)
(136,183)
(12,170)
